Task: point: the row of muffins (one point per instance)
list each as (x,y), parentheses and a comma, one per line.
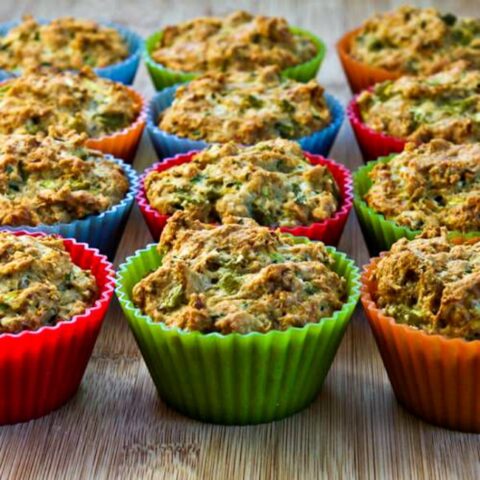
(164,298)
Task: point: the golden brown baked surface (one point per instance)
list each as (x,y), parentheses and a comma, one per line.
(65,43)
(45,180)
(238,278)
(246,108)
(82,102)
(444,105)
(240,41)
(432,284)
(417,40)
(435,184)
(39,283)
(271,182)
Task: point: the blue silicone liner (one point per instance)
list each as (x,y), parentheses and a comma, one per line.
(123,71)
(102,231)
(168,145)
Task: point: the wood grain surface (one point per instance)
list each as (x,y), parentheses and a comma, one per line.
(117,427)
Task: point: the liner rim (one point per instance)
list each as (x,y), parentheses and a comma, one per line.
(133,54)
(343,49)
(343,210)
(333,104)
(141,118)
(400,230)
(104,295)
(133,186)
(353,114)
(371,307)
(318,57)
(126,303)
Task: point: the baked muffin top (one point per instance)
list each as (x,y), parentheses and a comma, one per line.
(272,183)
(39,283)
(417,40)
(240,41)
(432,284)
(238,278)
(444,105)
(64,43)
(246,108)
(435,184)
(45,180)
(81,102)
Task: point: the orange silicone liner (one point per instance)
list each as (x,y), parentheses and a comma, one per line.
(361,75)
(124,144)
(434,377)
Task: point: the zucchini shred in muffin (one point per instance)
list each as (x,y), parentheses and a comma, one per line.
(444,105)
(432,284)
(39,283)
(82,102)
(46,181)
(238,278)
(432,185)
(64,43)
(417,40)
(271,182)
(246,108)
(241,41)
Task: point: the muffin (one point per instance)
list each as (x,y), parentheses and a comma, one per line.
(240,41)
(417,40)
(39,283)
(421,299)
(431,284)
(238,278)
(65,43)
(436,184)
(246,108)
(44,180)
(238,324)
(410,40)
(83,102)
(427,186)
(54,294)
(444,105)
(272,183)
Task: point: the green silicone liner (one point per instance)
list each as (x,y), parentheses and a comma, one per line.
(379,232)
(163,77)
(236,379)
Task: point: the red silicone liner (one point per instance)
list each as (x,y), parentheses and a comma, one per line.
(373,144)
(40,370)
(329,231)
(434,377)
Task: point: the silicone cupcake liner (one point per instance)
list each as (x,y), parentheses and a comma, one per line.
(434,377)
(123,71)
(102,231)
(124,143)
(372,144)
(163,77)
(380,233)
(328,231)
(169,145)
(360,75)
(40,370)
(236,379)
